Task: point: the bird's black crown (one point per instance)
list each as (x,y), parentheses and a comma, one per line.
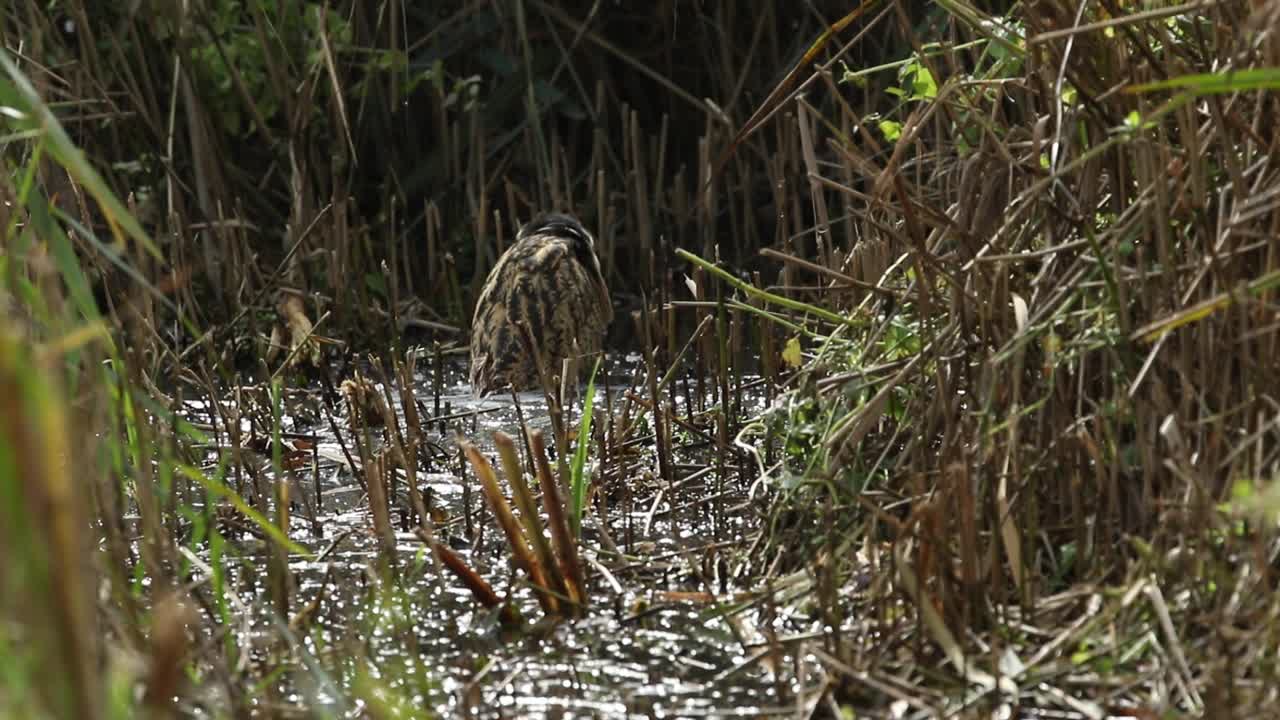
(559,225)
(566,227)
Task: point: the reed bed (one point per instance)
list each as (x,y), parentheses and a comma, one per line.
(956,388)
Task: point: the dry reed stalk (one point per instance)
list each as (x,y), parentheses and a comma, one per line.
(480,590)
(562,541)
(545,560)
(511,527)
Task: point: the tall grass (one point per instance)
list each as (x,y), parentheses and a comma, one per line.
(115,594)
(375,160)
(1015,291)
(58,365)
(1050,426)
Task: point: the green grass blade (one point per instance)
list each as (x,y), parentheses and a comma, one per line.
(577,469)
(765,295)
(1265,78)
(24,109)
(265,525)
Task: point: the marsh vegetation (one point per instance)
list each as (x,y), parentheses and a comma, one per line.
(941,382)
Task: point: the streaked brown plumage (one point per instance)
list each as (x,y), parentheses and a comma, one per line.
(551,280)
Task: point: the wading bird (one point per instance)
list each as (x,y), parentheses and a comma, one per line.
(544,301)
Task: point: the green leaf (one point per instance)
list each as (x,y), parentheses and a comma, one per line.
(923,84)
(791,354)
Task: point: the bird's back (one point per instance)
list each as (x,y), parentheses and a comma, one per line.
(541,282)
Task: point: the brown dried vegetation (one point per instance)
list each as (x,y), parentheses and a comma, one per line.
(1009,279)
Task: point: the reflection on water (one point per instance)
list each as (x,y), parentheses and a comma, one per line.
(637,653)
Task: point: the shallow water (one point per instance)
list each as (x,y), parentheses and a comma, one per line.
(638,652)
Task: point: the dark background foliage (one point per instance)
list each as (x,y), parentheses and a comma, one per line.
(395,147)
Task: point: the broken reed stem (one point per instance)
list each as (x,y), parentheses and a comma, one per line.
(651,373)
(482,591)
(547,381)
(395,441)
(520,551)
(566,549)
(529,517)
(412,430)
(279,579)
(374,473)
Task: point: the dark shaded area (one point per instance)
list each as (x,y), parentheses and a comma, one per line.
(238,123)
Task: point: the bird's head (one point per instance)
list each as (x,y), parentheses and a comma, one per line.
(565,227)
